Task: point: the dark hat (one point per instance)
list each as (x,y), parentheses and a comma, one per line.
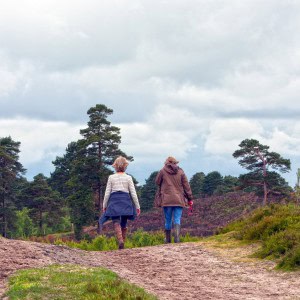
(171,160)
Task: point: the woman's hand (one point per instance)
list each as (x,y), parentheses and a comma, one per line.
(138,211)
(104,209)
(190,211)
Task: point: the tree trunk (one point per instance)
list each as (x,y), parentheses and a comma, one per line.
(265,184)
(265,194)
(100,204)
(41,220)
(100,196)
(100,184)
(4,231)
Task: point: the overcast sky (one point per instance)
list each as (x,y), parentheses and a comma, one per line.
(188,78)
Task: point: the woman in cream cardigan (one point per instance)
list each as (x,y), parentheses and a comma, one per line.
(120,200)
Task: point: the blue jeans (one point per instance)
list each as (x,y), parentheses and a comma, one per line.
(170,211)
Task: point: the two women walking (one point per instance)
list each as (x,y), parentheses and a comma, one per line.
(121,202)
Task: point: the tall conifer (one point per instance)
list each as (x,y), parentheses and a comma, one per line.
(10,170)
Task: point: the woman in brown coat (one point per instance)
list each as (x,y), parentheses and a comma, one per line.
(175,193)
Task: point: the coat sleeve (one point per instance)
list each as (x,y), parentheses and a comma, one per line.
(159,178)
(186,187)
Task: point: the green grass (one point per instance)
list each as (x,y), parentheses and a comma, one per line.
(277,227)
(72,282)
(139,238)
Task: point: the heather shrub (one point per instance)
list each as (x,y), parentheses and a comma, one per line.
(291,260)
(277,227)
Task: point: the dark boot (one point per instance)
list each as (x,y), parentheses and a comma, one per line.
(168,236)
(124,231)
(119,236)
(177,233)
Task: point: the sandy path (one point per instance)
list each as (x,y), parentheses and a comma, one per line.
(182,271)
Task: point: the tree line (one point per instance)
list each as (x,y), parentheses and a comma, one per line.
(72,196)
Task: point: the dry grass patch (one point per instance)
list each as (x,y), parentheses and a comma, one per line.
(227,246)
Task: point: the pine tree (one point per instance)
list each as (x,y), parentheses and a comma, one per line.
(148,192)
(101,147)
(257,158)
(211,182)
(45,204)
(63,167)
(197,184)
(229,184)
(275,183)
(81,174)
(10,170)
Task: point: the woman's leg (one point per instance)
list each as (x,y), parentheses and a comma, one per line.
(168,217)
(116,219)
(124,220)
(177,220)
(118,231)
(177,214)
(168,223)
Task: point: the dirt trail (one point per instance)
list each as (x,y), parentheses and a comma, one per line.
(181,271)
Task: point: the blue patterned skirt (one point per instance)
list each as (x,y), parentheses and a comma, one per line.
(119,204)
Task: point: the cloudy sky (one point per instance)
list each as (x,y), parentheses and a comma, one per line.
(188,78)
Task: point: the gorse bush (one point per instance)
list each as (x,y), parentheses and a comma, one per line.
(278,228)
(139,238)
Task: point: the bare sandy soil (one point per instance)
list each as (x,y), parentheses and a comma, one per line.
(174,271)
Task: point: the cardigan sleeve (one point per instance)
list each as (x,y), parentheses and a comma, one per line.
(133,193)
(107,192)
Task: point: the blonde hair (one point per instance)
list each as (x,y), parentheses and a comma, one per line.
(120,164)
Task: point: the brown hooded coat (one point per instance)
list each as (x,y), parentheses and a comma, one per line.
(174,186)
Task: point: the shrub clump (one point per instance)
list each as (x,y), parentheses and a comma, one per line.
(139,238)
(278,228)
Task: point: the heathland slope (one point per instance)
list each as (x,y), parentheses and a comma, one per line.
(209,214)
(173,271)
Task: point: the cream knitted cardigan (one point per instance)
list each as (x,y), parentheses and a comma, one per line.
(120,182)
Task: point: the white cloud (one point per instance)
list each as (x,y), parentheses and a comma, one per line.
(284,142)
(13,76)
(181,76)
(226,134)
(40,140)
(169,131)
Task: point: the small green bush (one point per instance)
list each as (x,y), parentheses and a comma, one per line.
(139,238)
(103,243)
(142,238)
